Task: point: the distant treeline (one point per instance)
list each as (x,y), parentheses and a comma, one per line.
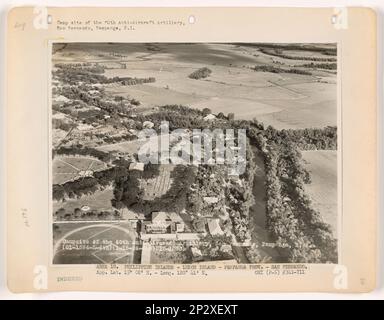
(81,93)
(274,69)
(92,75)
(305,139)
(293,46)
(279,54)
(74,76)
(178,117)
(200,73)
(128,81)
(83,151)
(88,67)
(328,66)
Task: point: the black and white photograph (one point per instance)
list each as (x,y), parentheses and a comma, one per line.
(179,153)
(206,153)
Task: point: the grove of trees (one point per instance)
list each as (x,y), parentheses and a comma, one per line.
(200,73)
(274,69)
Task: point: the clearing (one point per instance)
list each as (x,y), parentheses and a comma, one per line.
(99,201)
(94,243)
(66,168)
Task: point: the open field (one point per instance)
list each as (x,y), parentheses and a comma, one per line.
(99,201)
(94,243)
(322,165)
(133,146)
(283,100)
(67,168)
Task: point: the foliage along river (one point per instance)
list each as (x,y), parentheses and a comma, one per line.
(258,215)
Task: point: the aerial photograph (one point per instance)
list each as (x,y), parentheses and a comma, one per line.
(194,153)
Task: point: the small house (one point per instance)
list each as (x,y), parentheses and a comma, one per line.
(164,222)
(139,166)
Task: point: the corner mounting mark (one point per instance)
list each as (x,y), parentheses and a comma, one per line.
(339,18)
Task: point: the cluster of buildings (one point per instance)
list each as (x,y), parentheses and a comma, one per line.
(165,226)
(170,223)
(163,222)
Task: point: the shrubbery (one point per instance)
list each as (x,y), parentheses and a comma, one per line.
(273,69)
(200,73)
(296,47)
(305,139)
(88,185)
(83,151)
(297,228)
(328,66)
(74,75)
(61,124)
(278,53)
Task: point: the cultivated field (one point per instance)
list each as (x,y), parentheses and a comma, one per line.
(158,186)
(284,100)
(322,165)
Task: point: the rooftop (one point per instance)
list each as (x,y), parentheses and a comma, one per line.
(136,166)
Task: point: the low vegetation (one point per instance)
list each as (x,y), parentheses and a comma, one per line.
(305,139)
(327,66)
(74,74)
(127,191)
(274,69)
(88,185)
(297,228)
(83,151)
(296,47)
(78,214)
(200,73)
(279,53)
